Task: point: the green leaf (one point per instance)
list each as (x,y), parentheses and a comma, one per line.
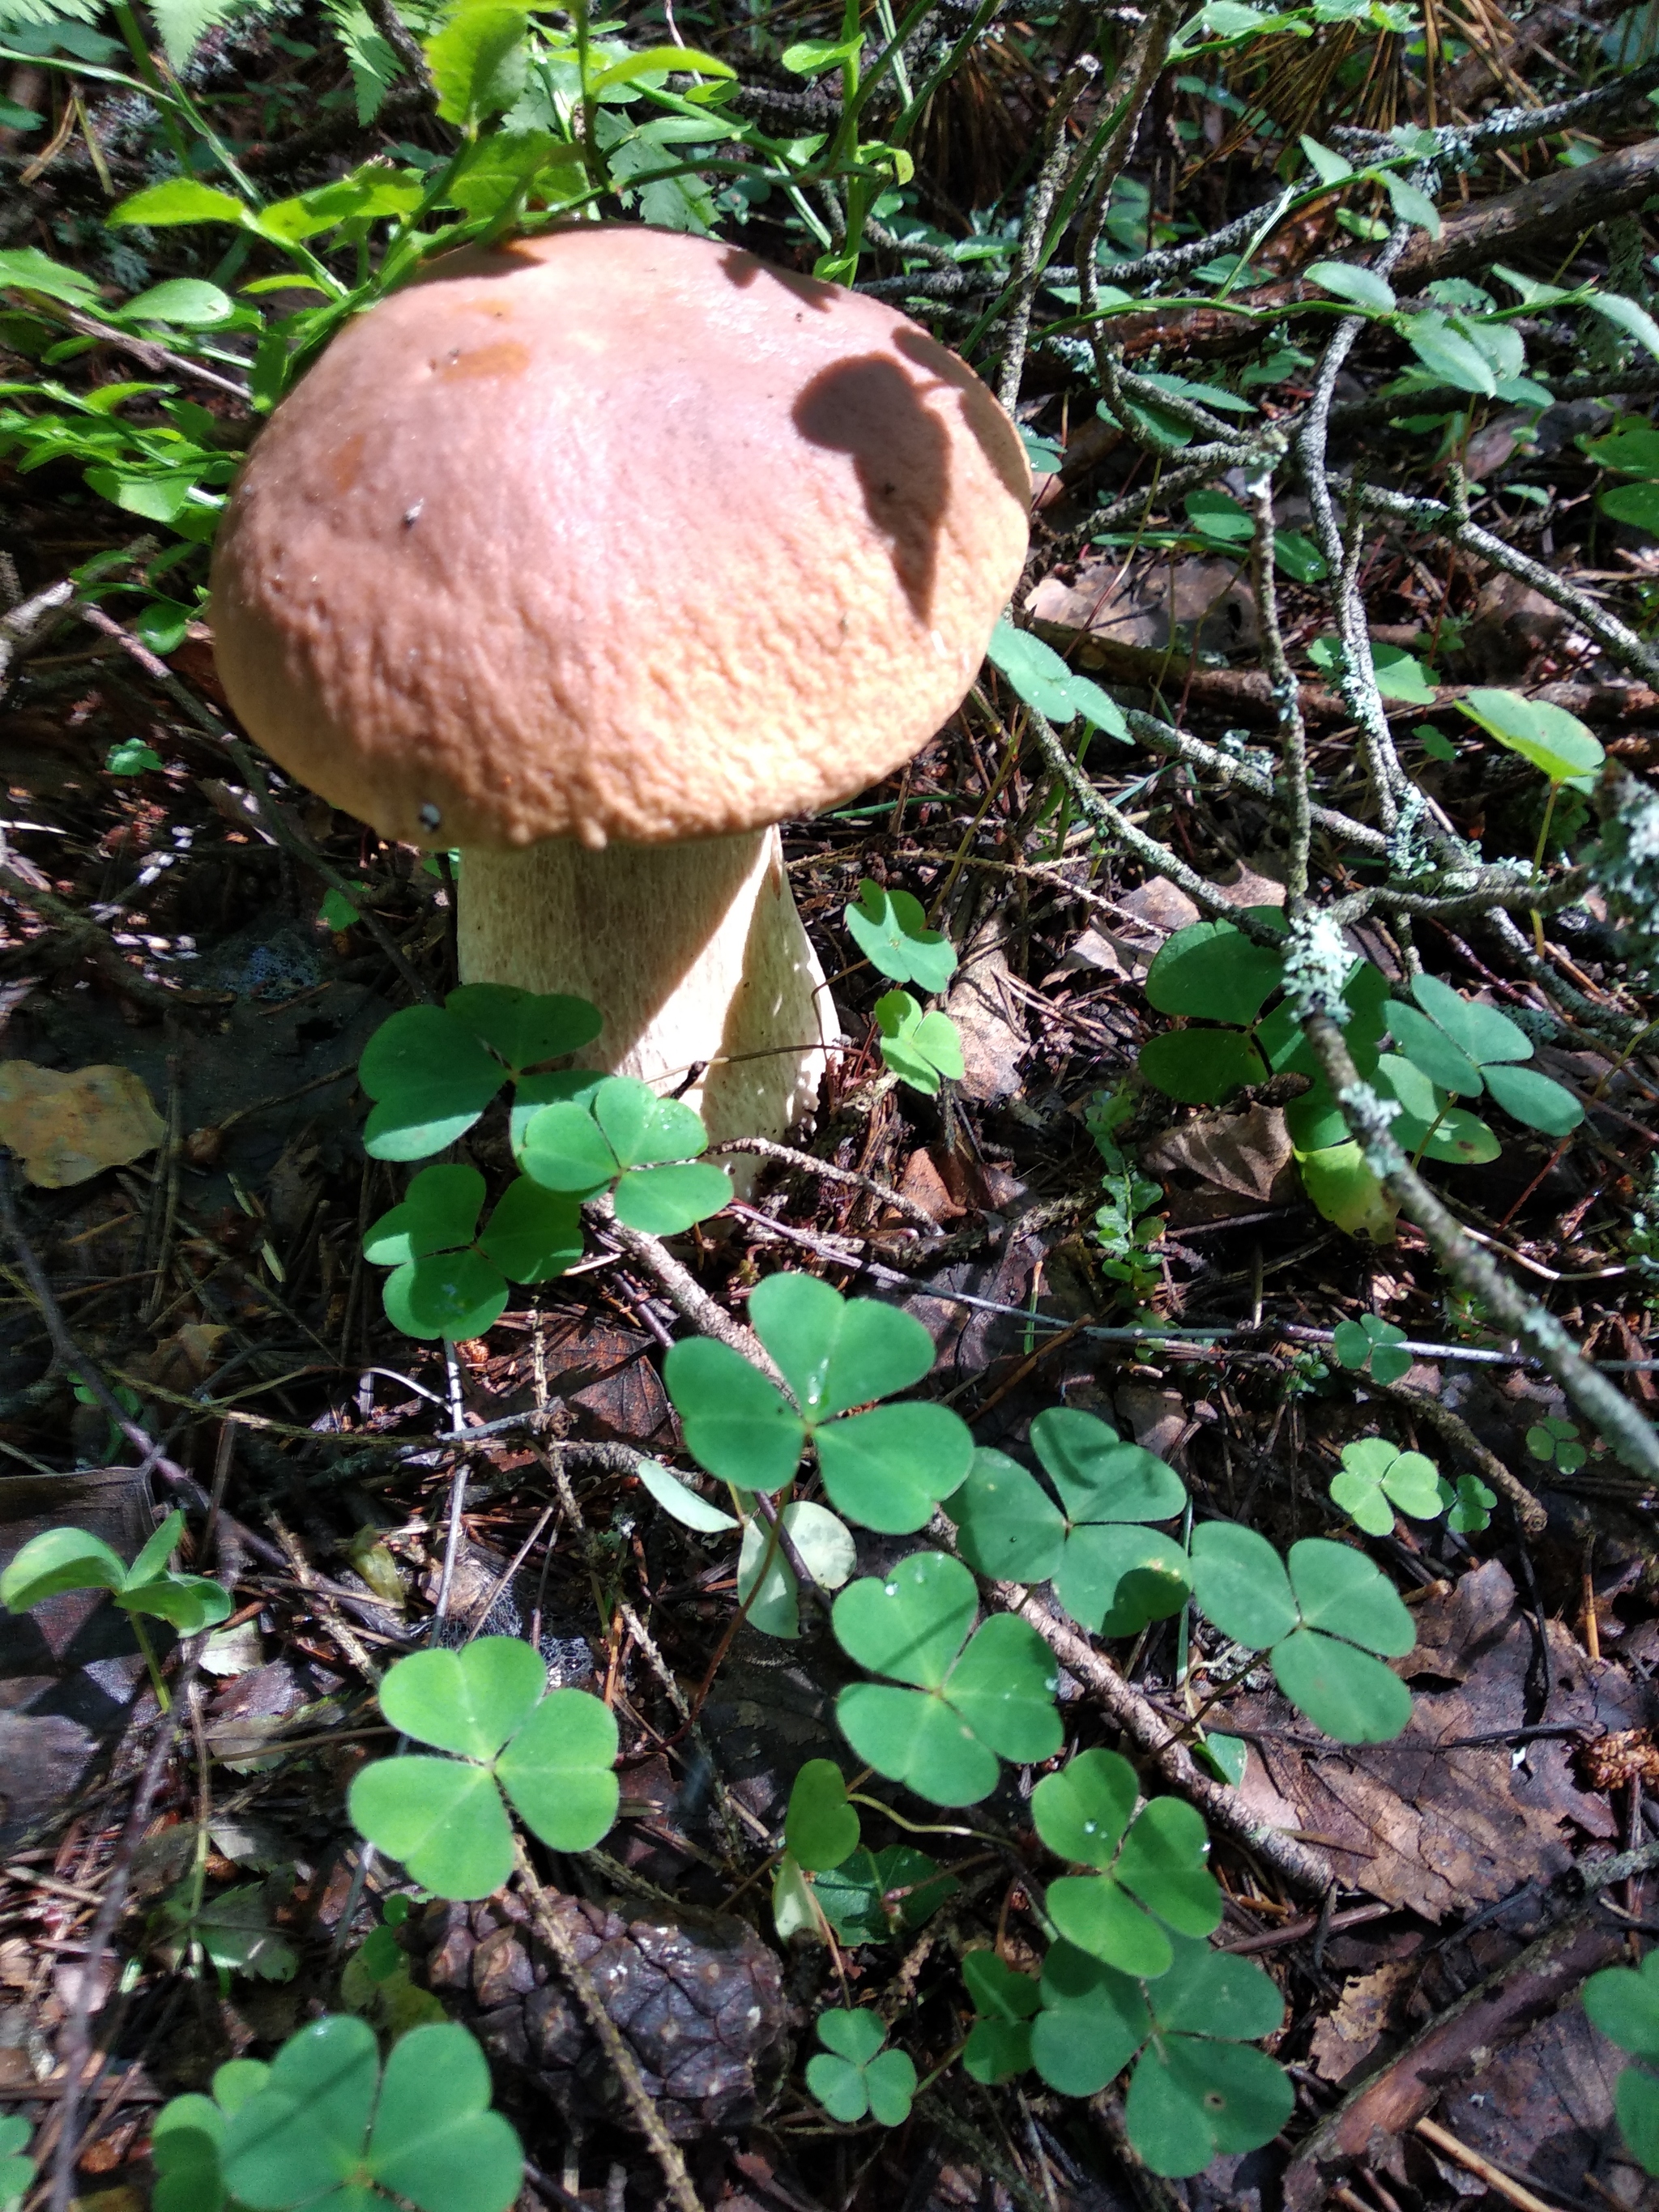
(1190,2098)
(1433,1053)
(441,1819)
(185,2148)
(1211,970)
(997,2050)
(182,302)
(1351,1696)
(812,57)
(825,1548)
(431,1080)
(1100,1477)
(912,1626)
(1220,519)
(1116,1578)
(454,1295)
(1623,2001)
(836,1353)
(1443,1130)
(1411,205)
(1201,1067)
(565,1149)
(1092,2022)
(888,1468)
(643,1129)
(478,61)
(1482,1032)
(854,2075)
(440,1213)
(180,199)
(59,1559)
(920,1048)
(1636,2101)
(1006,1529)
(997,1990)
(534,1235)
(1635,504)
(653,61)
(1370,1341)
(677,1498)
(132,756)
(1451,358)
(303,2133)
(820,1828)
(1533,1099)
(890,929)
(872,1896)
(526,1029)
(735,1424)
(435,2141)
(1239,1580)
(557,1770)
(1004,1688)
(1341,1590)
(1625,315)
(1399,677)
(1361,288)
(1301,560)
(1327,166)
(1083,1811)
(1554,741)
(188,1603)
(665,1201)
(1633,450)
(26,269)
(1050,685)
(469,1702)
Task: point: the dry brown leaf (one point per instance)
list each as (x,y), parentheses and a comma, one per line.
(1371,2006)
(67,1127)
(1243,1152)
(1431,1820)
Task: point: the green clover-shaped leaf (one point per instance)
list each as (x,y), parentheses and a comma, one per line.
(16,2171)
(1427,1122)
(1554,741)
(1153,1873)
(1320,1623)
(820,1540)
(640,1147)
(885,1468)
(890,929)
(1110,1572)
(322,2125)
(1050,685)
(552,1752)
(854,2076)
(1377,1479)
(1471,1506)
(1201,1067)
(999,2043)
(433,1070)
(922,1049)
(446,1283)
(1371,1343)
(1462,1047)
(1198,2087)
(975,1699)
(1623,2001)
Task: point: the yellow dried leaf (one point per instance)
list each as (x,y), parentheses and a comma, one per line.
(67,1128)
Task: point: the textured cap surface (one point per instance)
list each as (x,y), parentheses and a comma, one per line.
(615,533)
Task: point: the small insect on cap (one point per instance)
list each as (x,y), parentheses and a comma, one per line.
(615,533)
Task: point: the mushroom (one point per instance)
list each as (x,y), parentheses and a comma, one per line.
(597,554)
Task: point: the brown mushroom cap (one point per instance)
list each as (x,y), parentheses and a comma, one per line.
(615,533)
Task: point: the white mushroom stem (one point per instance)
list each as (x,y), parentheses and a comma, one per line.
(693,953)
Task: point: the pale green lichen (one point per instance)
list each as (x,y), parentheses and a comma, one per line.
(1316,964)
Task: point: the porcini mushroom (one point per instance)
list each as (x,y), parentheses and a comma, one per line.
(597,554)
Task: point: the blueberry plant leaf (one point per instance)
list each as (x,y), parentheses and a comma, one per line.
(890,929)
(1152,1867)
(974,1697)
(874,1896)
(443,1819)
(1326,1625)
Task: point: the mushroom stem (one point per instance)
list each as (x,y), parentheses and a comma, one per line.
(692,953)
